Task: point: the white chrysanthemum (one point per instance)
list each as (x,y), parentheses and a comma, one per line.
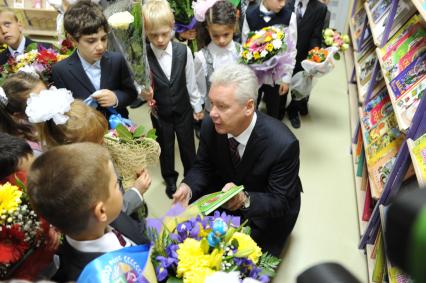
(263,53)
(223,277)
(121,20)
(29,69)
(49,104)
(249,56)
(277,44)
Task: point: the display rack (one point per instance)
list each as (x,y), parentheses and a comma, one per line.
(360,95)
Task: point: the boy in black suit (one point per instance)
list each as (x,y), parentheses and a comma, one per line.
(91,70)
(178,101)
(12,35)
(258,16)
(75,188)
(310,22)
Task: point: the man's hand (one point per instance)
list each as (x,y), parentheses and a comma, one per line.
(188,35)
(147,94)
(283,89)
(199,116)
(105,98)
(182,195)
(237,201)
(143,181)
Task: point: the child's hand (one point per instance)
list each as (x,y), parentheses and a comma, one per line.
(189,34)
(147,94)
(283,89)
(199,116)
(143,181)
(105,97)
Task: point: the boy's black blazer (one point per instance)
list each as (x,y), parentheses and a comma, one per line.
(115,76)
(309,30)
(5,54)
(72,261)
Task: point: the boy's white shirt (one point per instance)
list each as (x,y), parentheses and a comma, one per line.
(164,58)
(20,49)
(220,56)
(304,5)
(107,243)
(292,30)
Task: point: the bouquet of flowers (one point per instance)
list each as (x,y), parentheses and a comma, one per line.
(128,37)
(37,60)
(195,248)
(318,63)
(21,231)
(336,39)
(131,150)
(267,52)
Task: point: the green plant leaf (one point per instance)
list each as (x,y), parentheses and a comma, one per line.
(32,46)
(151,134)
(337,56)
(138,132)
(173,279)
(20,184)
(123,133)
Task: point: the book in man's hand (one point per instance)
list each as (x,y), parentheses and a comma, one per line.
(209,203)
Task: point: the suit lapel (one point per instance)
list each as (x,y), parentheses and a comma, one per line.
(310,9)
(106,68)
(77,71)
(252,152)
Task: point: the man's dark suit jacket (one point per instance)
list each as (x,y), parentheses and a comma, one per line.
(72,261)
(5,54)
(268,170)
(115,76)
(309,30)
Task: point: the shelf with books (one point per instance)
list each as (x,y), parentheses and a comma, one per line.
(373,27)
(421,7)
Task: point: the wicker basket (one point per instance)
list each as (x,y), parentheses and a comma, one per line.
(131,156)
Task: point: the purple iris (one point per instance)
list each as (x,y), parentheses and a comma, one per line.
(232,221)
(190,228)
(171,251)
(165,263)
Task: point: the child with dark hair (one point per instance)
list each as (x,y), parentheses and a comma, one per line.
(219,23)
(272,13)
(91,70)
(91,219)
(16,157)
(13,101)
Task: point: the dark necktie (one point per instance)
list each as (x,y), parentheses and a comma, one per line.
(119,237)
(299,14)
(233,148)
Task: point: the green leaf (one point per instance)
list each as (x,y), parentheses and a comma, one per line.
(20,184)
(173,279)
(235,243)
(32,46)
(234,3)
(337,56)
(151,134)
(139,132)
(244,253)
(123,133)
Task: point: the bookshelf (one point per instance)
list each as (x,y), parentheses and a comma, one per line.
(387,110)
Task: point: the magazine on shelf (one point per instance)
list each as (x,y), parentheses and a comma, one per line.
(209,203)
(418,156)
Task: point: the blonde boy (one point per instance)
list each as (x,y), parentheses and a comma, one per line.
(174,90)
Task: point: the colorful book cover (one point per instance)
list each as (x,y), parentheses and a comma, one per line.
(361,163)
(419,155)
(373,109)
(415,71)
(380,172)
(209,203)
(366,213)
(406,106)
(380,10)
(380,263)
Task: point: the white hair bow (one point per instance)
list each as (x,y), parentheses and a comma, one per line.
(49,104)
(3,97)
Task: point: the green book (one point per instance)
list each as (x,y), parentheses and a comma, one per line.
(209,203)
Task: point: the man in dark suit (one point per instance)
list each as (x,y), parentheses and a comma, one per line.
(310,22)
(12,35)
(91,68)
(240,146)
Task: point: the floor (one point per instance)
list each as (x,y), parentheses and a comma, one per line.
(327,228)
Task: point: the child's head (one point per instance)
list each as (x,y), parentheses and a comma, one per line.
(274,5)
(15,155)
(75,188)
(84,124)
(159,21)
(221,19)
(17,88)
(11,28)
(88,27)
